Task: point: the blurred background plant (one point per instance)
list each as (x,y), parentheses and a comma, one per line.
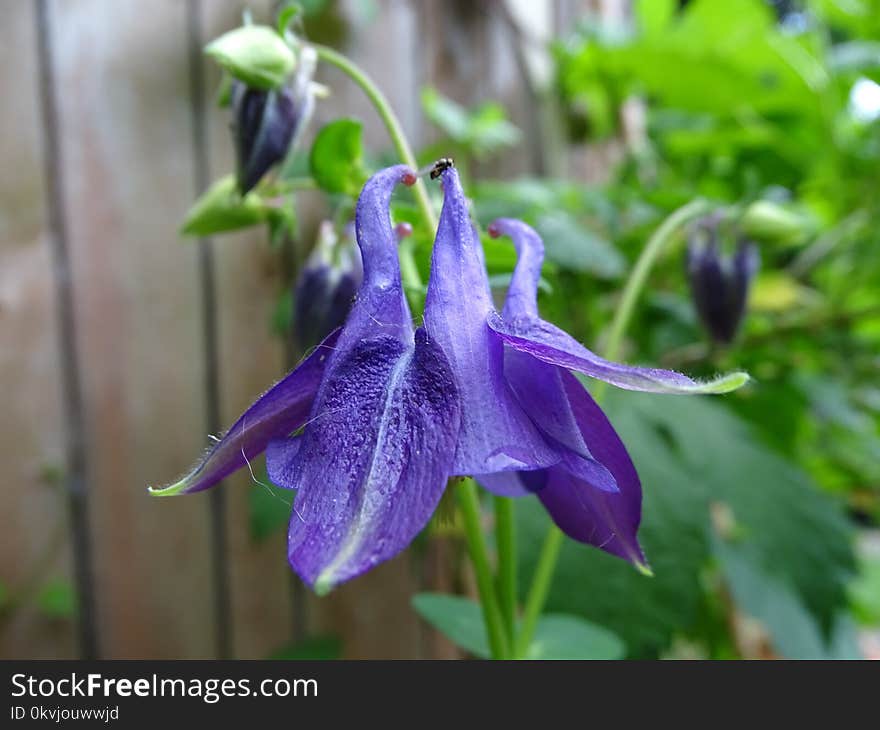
(762,508)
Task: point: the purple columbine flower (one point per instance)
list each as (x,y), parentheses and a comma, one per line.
(527,424)
(378,410)
(266,124)
(720,284)
(370,426)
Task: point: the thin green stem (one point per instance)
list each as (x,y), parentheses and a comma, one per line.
(505,540)
(539,589)
(652,251)
(654,248)
(470,510)
(412,280)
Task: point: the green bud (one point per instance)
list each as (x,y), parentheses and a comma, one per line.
(255,55)
(766,221)
(221,209)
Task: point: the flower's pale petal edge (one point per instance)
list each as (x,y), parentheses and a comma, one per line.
(280,410)
(609,521)
(374,461)
(496,435)
(550,344)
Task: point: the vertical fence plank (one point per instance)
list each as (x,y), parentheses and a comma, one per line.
(33,514)
(76,461)
(217,501)
(127,177)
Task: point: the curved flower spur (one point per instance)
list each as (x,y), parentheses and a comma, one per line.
(528,425)
(379,412)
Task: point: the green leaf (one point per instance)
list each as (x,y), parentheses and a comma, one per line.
(315,647)
(336,159)
(482,130)
(254,54)
(57,599)
(556,636)
(864,592)
(655,15)
(690,452)
(570,637)
(574,246)
(458,619)
(222,209)
(269,509)
(794,633)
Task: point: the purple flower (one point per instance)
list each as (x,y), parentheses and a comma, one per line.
(720,284)
(527,424)
(370,426)
(266,123)
(379,415)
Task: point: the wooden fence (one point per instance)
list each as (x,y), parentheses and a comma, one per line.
(122,346)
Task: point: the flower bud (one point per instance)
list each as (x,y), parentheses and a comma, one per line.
(266,123)
(767,221)
(255,55)
(328,283)
(326,286)
(720,283)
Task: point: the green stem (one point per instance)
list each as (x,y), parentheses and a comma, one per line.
(470,510)
(505,540)
(411,278)
(656,245)
(539,589)
(652,251)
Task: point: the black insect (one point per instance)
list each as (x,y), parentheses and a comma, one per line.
(444,163)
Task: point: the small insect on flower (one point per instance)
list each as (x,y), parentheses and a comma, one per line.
(443,164)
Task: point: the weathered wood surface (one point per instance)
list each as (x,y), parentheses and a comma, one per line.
(128,171)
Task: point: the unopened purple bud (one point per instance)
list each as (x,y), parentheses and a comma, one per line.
(327,285)
(266,124)
(719,282)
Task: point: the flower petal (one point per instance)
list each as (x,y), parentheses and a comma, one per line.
(495,434)
(550,344)
(279,411)
(539,389)
(374,460)
(521,328)
(607,520)
(380,307)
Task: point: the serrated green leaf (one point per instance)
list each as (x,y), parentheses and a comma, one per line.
(336,159)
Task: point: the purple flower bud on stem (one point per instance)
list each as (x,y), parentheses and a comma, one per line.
(266,124)
(720,283)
